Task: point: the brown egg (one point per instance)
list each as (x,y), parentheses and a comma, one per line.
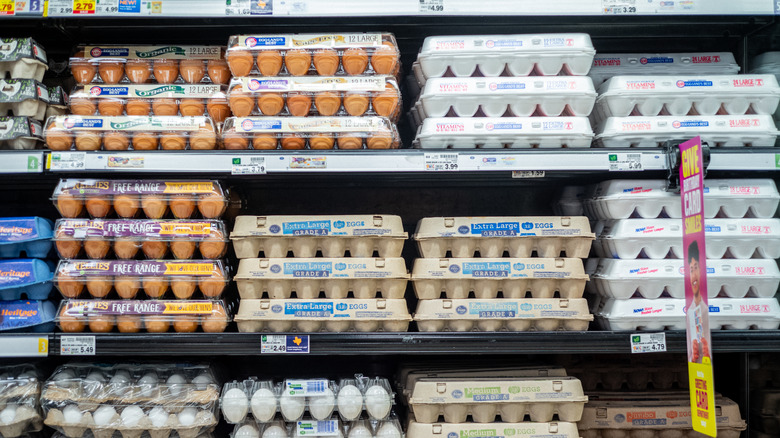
(145,141)
(166,70)
(241,104)
(97,248)
(386,103)
(58,139)
(346,141)
(157,324)
(125,248)
(218,109)
(240,61)
(328,102)
(155,287)
(270,104)
(297,61)
(203,139)
(67,248)
(182,206)
(356,103)
(155,206)
(98,206)
(321,141)
(218,71)
(384,60)
(138,107)
(99,287)
(82,106)
(217,321)
(211,205)
(213,246)
(69,205)
(111,72)
(173,141)
(127,287)
(116,141)
(111,107)
(326,61)
(264,141)
(183,248)
(126,206)
(185,323)
(183,288)
(269,62)
(292,141)
(299,104)
(83,70)
(380,141)
(87,141)
(235,141)
(192,107)
(355,61)
(128,323)
(70,324)
(70,286)
(165,107)
(101,323)
(138,70)
(154,249)
(212,287)
(192,70)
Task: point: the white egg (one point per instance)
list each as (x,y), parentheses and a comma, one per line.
(274,432)
(388,430)
(378,402)
(64,378)
(202,381)
(131,415)
(187,416)
(8,414)
(120,378)
(360,431)
(235,405)
(148,382)
(72,414)
(350,402)
(247,431)
(95,376)
(104,415)
(175,384)
(264,404)
(321,406)
(292,406)
(29,374)
(158,416)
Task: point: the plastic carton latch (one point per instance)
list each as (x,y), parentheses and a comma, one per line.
(553,428)
(380,263)
(557,386)
(449,222)
(443,263)
(260,221)
(381,304)
(559,263)
(447,304)
(436,429)
(265,305)
(264,264)
(601,412)
(566,221)
(564,303)
(377,221)
(726,268)
(441,387)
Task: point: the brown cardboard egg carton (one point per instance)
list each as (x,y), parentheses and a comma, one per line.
(365,278)
(361,235)
(477,430)
(493,236)
(26,419)
(204,421)
(612,376)
(486,277)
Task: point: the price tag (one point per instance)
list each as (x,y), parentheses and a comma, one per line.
(308,162)
(24,346)
(124,162)
(432,6)
(625,162)
(441,162)
(237,7)
(648,343)
(7,7)
(278,344)
(71,345)
(528,174)
(248,166)
(84,6)
(618,7)
(67,161)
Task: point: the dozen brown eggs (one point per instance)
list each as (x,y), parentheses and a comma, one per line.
(215,107)
(209,247)
(62,139)
(153,206)
(139,71)
(263,141)
(214,322)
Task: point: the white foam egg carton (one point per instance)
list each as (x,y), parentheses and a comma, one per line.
(503,314)
(307,316)
(648,278)
(733,198)
(485,399)
(571,199)
(755,130)
(634,376)
(485,430)
(669,314)
(486,277)
(520,236)
(275,236)
(309,277)
(503,132)
(607,65)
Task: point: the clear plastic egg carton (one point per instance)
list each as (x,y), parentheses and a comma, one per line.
(20,133)
(519,430)
(323,315)
(520,236)
(22,58)
(520,55)
(132,399)
(28,278)
(669,314)
(485,399)
(754,130)
(308,278)
(612,376)
(503,132)
(322,428)
(20,412)
(503,314)
(486,277)
(662,238)
(118,434)
(361,235)
(733,198)
(647,278)
(607,65)
(23,98)
(29,235)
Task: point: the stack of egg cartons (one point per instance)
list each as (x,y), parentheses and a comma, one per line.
(313,91)
(765,394)
(20,409)
(459,292)
(363,292)
(143,98)
(495,91)
(102,277)
(358,407)
(638,281)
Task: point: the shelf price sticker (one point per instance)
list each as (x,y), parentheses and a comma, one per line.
(67,161)
(618,7)
(283,344)
(648,342)
(84,6)
(24,346)
(528,173)
(432,6)
(71,345)
(300,162)
(249,7)
(248,166)
(7,7)
(441,162)
(625,162)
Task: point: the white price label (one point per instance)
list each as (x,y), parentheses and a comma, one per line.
(248,166)
(625,162)
(528,174)
(24,346)
(441,162)
(432,6)
(300,162)
(71,345)
(648,342)
(618,7)
(237,7)
(278,344)
(67,160)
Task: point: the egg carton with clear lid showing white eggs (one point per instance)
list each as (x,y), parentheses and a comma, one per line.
(139,133)
(754,130)
(153,199)
(323,315)
(735,278)
(129,238)
(733,198)
(142,64)
(145,434)
(151,100)
(607,65)
(484,399)
(308,278)
(305,236)
(486,277)
(634,376)
(249,428)
(503,132)
(22,58)
(20,133)
(20,389)
(520,236)
(659,238)
(23,98)
(485,430)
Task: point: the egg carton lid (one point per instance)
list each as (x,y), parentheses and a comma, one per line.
(113,52)
(309,41)
(556,429)
(26,316)
(332,268)
(15,230)
(503,226)
(626,269)
(652,188)
(555,43)
(14,49)
(657,86)
(77,270)
(546,86)
(12,128)
(312,125)
(755,309)
(681,125)
(19,90)
(149,91)
(433,127)
(58,97)
(147,308)
(766,59)
(83,188)
(320,226)
(496,390)
(499,268)
(503,308)
(138,229)
(606,65)
(407,376)
(24,272)
(264,84)
(638,228)
(349,309)
(129,123)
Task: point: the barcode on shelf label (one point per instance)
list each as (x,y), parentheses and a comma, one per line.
(67,160)
(248,166)
(648,342)
(280,344)
(625,162)
(528,174)
(71,345)
(432,6)
(618,7)
(441,162)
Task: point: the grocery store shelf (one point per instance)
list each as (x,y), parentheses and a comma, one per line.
(21,161)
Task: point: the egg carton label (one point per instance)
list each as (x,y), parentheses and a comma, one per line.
(86,308)
(138,268)
(280,268)
(317,428)
(12,128)
(659,85)
(512,43)
(20,90)
(492,430)
(18,229)
(306,388)
(153,52)
(284,309)
(502,85)
(92,187)
(503,308)
(311,40)
(15,49)
(502,227)
(472,125)
(149,91)
(130,123)
(22,313)
(505,390)
(113,228)
(310,124)
(510,267)
(15,273)
(359,225)
(315,83)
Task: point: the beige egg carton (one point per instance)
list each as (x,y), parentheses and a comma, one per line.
(26,419)
(515,278)
(487,430)
(20,133)
(361,235)
(365,278)
(326,315)
(22,58)
(492,236)
(204,421)
(486,398)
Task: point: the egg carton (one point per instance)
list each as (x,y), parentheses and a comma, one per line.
(549,236)
(25,316)
(486,430)
(733,198)
(293,133)
(105,421)
(735,278)
(25,235)
(330,95)
(633,376)
(669,314)
(325,428)
(486,398)
(141,64)
(58,102)
(662,238)
(22,58)
(326,315)
(20,389)
(131,198)
(30,278)
(23,98)
(503,132)
(570,201)
(720,130)
(140,133)
(486,277)
(20,133)
(98,278)
(152,237)
(151,100)
(607,65)
(277,278)
(361,235)
(520,55)
(313,54)
(118,434)
(18,420)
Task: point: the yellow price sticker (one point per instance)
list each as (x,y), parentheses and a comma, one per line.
(84,6)
(7,7)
